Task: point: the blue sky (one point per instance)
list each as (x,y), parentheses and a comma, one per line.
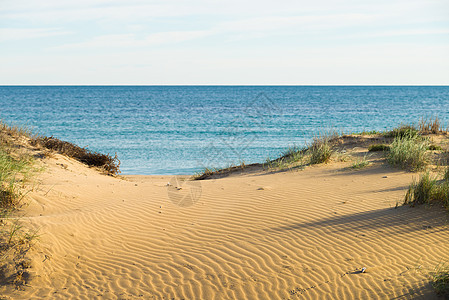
(224,42)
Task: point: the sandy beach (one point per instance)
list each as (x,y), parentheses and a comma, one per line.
(299,234)
(224,150)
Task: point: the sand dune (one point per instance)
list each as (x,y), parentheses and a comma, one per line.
(291,235)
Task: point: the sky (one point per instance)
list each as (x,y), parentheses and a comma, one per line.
(208,42)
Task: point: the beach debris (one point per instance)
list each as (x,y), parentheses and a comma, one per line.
(62,166)
(262,188)
(363,270)
(384,176)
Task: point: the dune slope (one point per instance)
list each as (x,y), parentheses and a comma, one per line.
(291,235)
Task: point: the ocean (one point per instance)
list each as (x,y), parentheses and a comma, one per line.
(183,129)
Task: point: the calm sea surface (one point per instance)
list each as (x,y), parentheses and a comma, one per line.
(182,129)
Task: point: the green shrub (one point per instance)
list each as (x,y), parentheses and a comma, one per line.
(378,147)
(408,152)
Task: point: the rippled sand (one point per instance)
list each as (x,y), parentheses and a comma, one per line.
(292,235)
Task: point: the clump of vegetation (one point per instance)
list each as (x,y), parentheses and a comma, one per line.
(378,147)
(440,282)
(408,149)
(209,172)
(408,152)
(320,151)
(360,163)
(9,133)
(106,162)
(292,157)
(293,154)
(206,172)
(16,168)
(432,125)
(428,190)
(402,131)
(13,174)
(422,191)
(15,242)
(279,164)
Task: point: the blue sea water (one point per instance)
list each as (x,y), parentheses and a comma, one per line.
(182,129)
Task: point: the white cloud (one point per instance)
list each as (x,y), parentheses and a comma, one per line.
(229,42)
(400,33)
(11,34)
(47,11)
(131,40)
(235,30)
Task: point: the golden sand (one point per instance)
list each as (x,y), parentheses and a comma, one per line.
(288,235)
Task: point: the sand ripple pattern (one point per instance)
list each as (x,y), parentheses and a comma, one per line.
(293,235)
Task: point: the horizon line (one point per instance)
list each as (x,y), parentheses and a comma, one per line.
(215,85)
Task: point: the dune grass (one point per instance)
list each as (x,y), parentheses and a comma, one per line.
(16,169)
(440,282)
(422,191)
(292,157)
(405,146)
(409,152)
(14,173)
(428,190)
(431,125)
(360,163)
(320,151)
